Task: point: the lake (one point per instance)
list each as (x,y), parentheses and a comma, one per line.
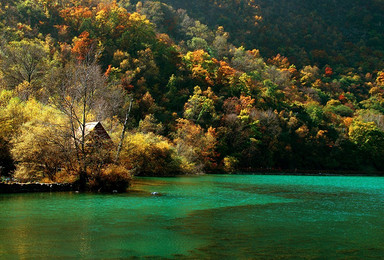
(211,216)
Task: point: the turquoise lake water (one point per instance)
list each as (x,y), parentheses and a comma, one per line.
(216,217)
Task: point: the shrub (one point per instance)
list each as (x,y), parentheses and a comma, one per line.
(150,155)
(111,178)
(230,164)
(27,172)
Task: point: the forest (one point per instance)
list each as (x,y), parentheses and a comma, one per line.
(189,87)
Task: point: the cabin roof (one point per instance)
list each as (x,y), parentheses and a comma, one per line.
(95,127)
(89,127)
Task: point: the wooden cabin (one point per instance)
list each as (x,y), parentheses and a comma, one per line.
(97,144)
(94,132)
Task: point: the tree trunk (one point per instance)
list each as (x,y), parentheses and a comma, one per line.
(123,131)
(83,171)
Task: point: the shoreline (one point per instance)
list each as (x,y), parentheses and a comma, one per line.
(299,172)
(15,187)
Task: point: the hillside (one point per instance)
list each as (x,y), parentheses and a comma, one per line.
(207,89)
(340,34)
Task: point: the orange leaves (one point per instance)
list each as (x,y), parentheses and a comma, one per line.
(199,72)
(279,61)
(208,151)
(63,29)
(321,134)
(246,103)
(376,91)
(201,144)
(200,64)
(225,73)
(108,71)
(192,134)
(126,81)
(380,78)
(188,131)
(76,12)
(209,69)
(328,71)
(162,37)
(82,45)
(236,105)
(198,56)
(258,19)
(255,53)
(111,19)
(84,34)
(75,15)
(302,131)
(348,121)
(104,21)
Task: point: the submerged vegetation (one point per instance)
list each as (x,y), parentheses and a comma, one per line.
(178,96)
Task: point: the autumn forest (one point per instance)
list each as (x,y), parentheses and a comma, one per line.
(189,87)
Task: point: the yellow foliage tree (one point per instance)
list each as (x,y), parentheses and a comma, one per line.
(196,146)
(149,155)
(42,148)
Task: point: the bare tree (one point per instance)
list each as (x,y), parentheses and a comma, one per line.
(77,89)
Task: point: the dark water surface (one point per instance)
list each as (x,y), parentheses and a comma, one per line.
(216,217)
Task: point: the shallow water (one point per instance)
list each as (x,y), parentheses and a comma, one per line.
(216,217)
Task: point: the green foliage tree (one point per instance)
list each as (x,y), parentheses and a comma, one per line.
(200,107)
(139,35)
(24,61)
(150,124)
(370,140)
